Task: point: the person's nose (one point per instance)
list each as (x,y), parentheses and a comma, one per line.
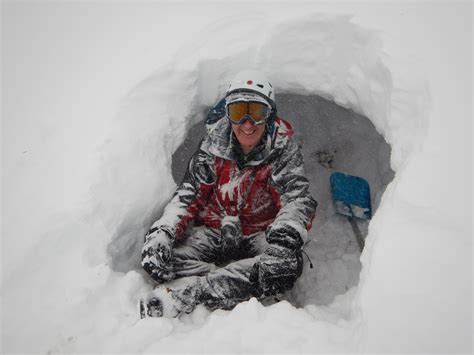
(247,124)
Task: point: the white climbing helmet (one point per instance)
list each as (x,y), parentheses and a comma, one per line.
(252,81)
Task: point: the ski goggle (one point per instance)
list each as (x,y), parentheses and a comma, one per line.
(256,112)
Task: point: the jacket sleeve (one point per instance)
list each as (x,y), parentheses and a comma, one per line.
(297,207)
(190,197)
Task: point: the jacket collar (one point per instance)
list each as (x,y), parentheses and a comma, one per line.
(221,142)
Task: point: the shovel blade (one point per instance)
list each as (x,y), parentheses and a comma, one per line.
(351,195)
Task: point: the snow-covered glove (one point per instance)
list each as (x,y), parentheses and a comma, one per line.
(277,270)
(286,236)
(231,234)
(157,253)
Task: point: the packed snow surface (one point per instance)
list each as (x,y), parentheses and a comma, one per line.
(96,98)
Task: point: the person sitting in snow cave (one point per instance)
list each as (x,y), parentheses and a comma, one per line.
(236,225)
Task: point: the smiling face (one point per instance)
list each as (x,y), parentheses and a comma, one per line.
(248,135)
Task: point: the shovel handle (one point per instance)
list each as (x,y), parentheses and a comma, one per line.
(358,234)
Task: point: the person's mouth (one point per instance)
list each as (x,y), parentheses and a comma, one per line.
(249,132)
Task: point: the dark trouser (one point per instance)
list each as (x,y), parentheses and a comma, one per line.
(212,276)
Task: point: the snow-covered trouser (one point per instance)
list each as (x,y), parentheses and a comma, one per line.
(219,275)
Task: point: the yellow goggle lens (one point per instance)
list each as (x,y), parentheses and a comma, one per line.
(237,111)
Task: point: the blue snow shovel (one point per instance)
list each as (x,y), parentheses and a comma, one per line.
(351,198)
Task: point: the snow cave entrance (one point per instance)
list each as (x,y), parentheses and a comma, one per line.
(332,138)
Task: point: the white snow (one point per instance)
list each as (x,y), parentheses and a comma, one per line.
(96,96)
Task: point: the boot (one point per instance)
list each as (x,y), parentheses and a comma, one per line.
(163,302)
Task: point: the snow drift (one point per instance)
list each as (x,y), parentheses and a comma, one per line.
(69,282)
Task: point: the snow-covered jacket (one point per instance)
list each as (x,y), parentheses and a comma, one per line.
(267,190)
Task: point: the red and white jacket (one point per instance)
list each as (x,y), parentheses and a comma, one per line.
(267,190)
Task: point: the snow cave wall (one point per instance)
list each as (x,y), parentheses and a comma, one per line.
(322,55)
(327,56)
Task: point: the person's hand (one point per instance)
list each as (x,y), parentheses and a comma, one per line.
(285,235)
(157,254)
(277,269)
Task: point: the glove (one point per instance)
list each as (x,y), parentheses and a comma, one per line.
(157,254)
(286,236)
(277,270)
